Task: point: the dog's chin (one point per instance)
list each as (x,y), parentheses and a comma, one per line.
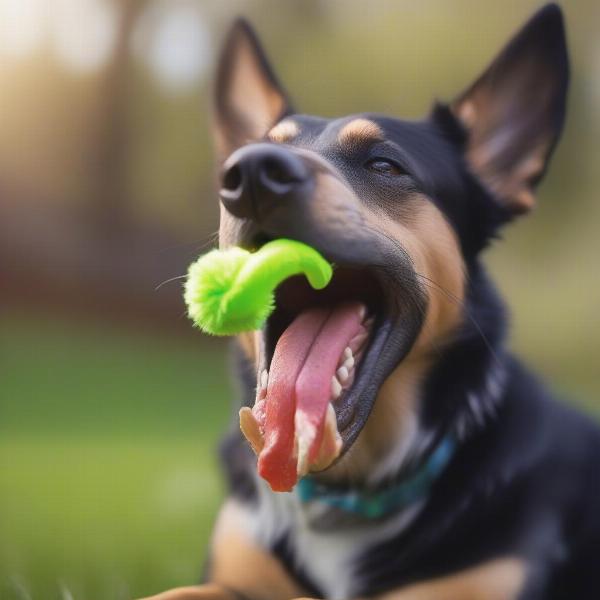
(391,319)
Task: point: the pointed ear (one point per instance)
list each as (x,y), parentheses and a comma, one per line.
(248,97)
(514,112)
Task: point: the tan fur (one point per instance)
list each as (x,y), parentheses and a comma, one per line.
(249,343)
(258,575)
(467,113)
(230,228)
(434,250)
(359,130)
(284,131)
(197,592)
(500,579)
(238,563)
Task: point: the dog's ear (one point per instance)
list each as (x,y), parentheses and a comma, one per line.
(248,98)
(514,112)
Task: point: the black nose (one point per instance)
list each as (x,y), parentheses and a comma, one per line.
(260,176)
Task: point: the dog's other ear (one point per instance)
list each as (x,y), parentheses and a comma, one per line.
(248,97)
(515,111)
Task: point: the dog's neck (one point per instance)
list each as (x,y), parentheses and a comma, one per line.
(466,385)
(392,498)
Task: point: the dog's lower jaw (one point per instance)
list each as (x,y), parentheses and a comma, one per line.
(393,436)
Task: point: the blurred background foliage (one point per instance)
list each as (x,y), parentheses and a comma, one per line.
(110,406)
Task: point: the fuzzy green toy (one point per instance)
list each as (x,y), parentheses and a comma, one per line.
(231,291)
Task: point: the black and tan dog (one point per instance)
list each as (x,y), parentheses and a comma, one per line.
(459,477)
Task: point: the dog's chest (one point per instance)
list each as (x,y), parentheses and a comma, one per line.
(323,551)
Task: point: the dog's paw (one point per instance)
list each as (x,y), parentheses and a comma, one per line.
(198,592)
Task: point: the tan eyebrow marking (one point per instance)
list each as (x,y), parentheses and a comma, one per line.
(284,131)
(359,130)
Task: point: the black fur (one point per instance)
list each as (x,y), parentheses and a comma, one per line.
(525,481)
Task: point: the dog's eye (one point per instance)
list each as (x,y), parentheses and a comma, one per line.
(383,166)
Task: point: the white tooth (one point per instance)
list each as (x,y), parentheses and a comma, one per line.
(358,340)
(349,363)
(332,428)
(251,429)
(342,374)
(261,391)
(336,388)
(362,312)
(305,435)
(348,352)
(264,379)
(331,444)
(302,464)
(331,418)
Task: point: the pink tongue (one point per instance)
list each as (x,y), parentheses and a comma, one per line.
(299,388)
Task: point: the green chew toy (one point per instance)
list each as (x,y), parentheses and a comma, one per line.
(231,291)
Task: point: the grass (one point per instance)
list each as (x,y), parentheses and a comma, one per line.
(108,481)
(108,478)
(105,518)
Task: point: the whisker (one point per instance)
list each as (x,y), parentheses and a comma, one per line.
(446,293)
(413,292)
(210,241)
(169,281)
(201,244)
(467,312)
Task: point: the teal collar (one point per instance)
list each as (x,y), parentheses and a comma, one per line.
(380,503)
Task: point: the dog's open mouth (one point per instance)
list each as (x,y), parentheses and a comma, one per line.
(319,351)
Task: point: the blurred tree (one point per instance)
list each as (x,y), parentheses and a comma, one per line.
(108,139)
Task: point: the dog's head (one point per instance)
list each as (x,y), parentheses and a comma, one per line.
(402,208)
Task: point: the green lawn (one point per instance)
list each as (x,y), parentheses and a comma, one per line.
(108,479)
(108,482)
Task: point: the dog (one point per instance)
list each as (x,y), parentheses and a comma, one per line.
(460,477)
